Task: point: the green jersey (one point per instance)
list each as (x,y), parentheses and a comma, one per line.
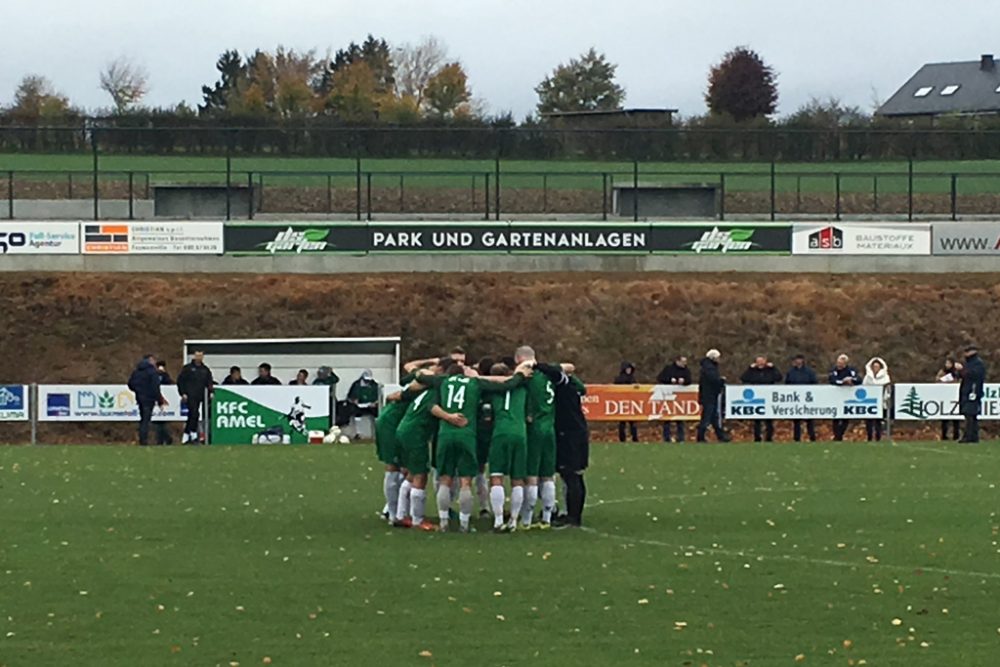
(460,394)
(541,399)
(418,414)
(393,412)
(509,412)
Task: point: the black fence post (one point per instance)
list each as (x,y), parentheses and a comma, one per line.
(329,194)
(472,198)
(496,188)
(722,196)
(773,187)
(10,194)
(604,196)
(147,185)
(96,167)
(71,185)
(875,193)
(250,192)
(402,195)
(131,202)
(954,196)
(545,193)
(798,193)
(260,191)
(229,186)
(486,195)
(368,195)
(357,188)
(836,180)
(909,191)
(635,191)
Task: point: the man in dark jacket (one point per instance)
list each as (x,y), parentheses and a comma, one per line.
(762,371)
(193,383)
(710,386)
(163,436)
(145,384)
(842,375)
(264,376)
(235,377)
(675,373)
(626,375)
(970,393)
(800,373)
(572,440)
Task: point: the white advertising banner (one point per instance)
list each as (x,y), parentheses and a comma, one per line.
(861,239)
(780,401)
(939,402)
(39,238)
(102,403)
(152,238)
(14,402)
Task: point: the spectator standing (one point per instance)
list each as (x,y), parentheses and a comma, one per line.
(626,375)
(364,395)
(842,375)
(877,375)
(301,378)
(326,376)
(145,384)
(163,436)
(762,371)
(951,372)
(235,377)
(710,386)
(971,393)
(264,376)
(193,383)
(675,373)
(801,374)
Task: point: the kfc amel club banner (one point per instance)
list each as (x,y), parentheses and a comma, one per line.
(241,412)
(642,402)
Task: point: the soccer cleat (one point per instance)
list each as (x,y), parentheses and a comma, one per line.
(442,527)
(466,529)
(541,525)
(405,522)
(427,526)
(512,527)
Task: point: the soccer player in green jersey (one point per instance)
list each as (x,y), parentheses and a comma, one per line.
(484,434)
(386,443)
(459,392)
(414,433)
(541,459)
(508,451)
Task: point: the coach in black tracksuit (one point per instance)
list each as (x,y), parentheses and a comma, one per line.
(970,394)
(145,384)
(572,441)
(710,387)
(194,381)
(762,371)
(842,375)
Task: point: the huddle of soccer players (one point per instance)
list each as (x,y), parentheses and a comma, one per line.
(459,419)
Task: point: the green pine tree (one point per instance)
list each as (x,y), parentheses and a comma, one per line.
(912,405)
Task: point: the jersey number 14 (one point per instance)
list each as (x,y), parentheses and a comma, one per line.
(456,397)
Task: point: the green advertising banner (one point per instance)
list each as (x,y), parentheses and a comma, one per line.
(241,415)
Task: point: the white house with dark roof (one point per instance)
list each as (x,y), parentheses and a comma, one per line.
(940,89)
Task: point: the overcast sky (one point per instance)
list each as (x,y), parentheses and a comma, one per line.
(853,49)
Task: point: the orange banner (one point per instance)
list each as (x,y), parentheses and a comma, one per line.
(642,402)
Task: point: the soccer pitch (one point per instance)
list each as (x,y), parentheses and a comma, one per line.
(816,554)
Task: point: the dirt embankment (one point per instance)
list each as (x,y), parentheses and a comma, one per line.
(92,328)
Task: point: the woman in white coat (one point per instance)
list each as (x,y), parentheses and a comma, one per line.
(877,375)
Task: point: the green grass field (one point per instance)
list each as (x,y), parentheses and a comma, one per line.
(748,555)
(931,177)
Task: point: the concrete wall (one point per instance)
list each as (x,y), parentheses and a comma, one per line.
(498,263)
(76,209)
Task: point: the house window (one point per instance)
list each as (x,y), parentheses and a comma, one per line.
(923,92)
(949,90)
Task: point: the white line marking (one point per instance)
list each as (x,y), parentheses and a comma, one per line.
(707,494)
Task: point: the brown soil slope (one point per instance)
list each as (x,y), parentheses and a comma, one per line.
(80,328)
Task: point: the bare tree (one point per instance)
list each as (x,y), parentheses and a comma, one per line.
(126,82)
(416,64)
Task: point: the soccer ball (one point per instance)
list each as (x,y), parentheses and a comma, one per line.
(329,439)
(344,440)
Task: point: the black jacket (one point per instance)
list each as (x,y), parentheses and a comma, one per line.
(837,376)
(194,380)
(804,375)
(970,394)
(672,372)
(572,434)
(165,378)
(710,382)
(145,383)
(767,375)
(625,377)
(270,379)
(229,380)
